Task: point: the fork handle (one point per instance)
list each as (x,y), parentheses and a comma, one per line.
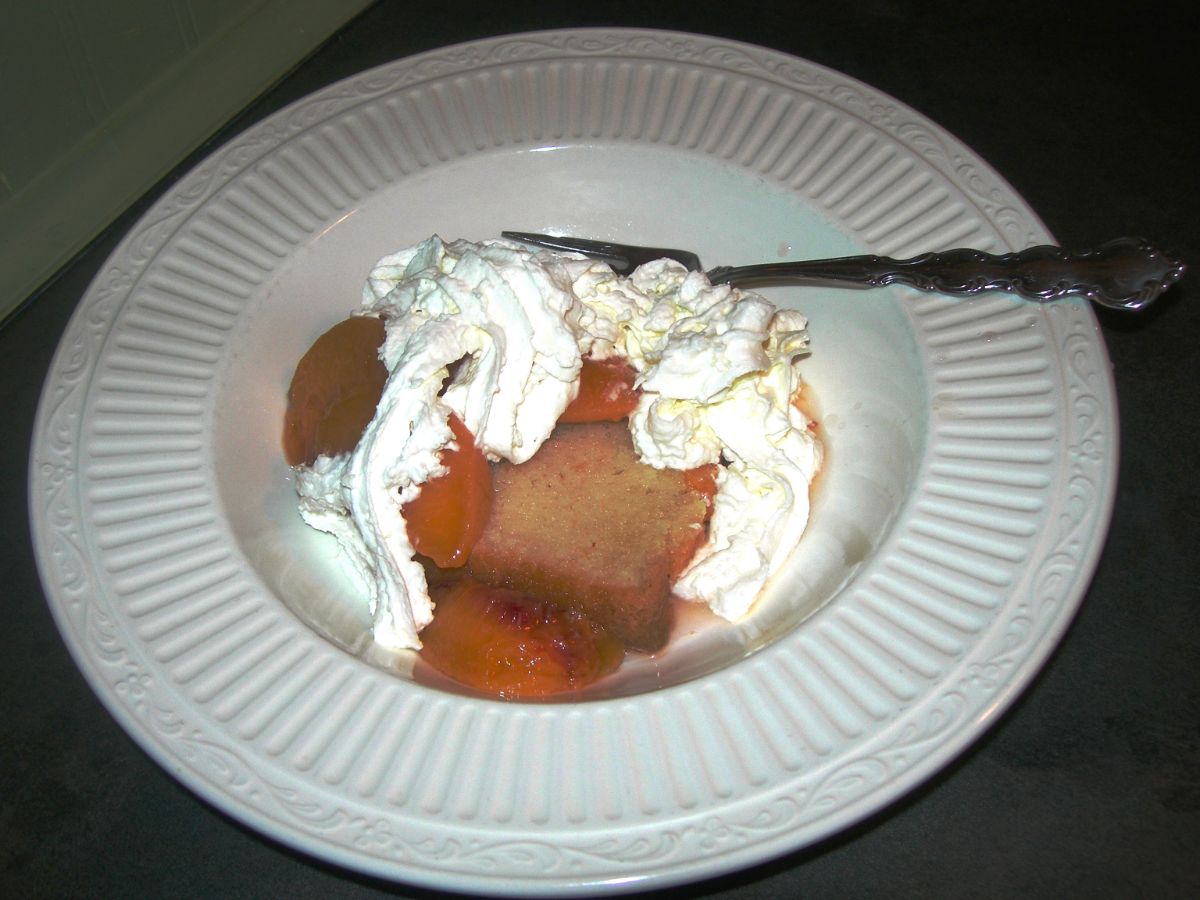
(1126,273)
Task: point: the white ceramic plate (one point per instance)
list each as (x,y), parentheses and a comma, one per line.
(972,457)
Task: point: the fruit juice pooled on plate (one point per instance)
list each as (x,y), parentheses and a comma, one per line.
(525,456)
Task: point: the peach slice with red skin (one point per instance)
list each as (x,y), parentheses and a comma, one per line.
(511,645)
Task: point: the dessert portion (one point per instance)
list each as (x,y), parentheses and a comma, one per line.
(696,487)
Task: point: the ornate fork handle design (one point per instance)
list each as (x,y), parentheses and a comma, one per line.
(1126,273)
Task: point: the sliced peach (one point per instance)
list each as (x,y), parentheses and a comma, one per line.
(334,391)
(703,481)
(511,645)
(606,392)
(446,518)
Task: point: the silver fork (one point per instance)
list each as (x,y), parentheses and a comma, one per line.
(1125,273)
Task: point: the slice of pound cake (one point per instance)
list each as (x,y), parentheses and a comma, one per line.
(585,524)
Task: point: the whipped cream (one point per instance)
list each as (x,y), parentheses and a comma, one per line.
(717,369)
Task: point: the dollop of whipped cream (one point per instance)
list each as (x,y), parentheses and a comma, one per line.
(717,369)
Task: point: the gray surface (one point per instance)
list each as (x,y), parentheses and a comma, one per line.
(1090,786)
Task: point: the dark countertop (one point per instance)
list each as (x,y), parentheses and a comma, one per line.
(1089,786)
